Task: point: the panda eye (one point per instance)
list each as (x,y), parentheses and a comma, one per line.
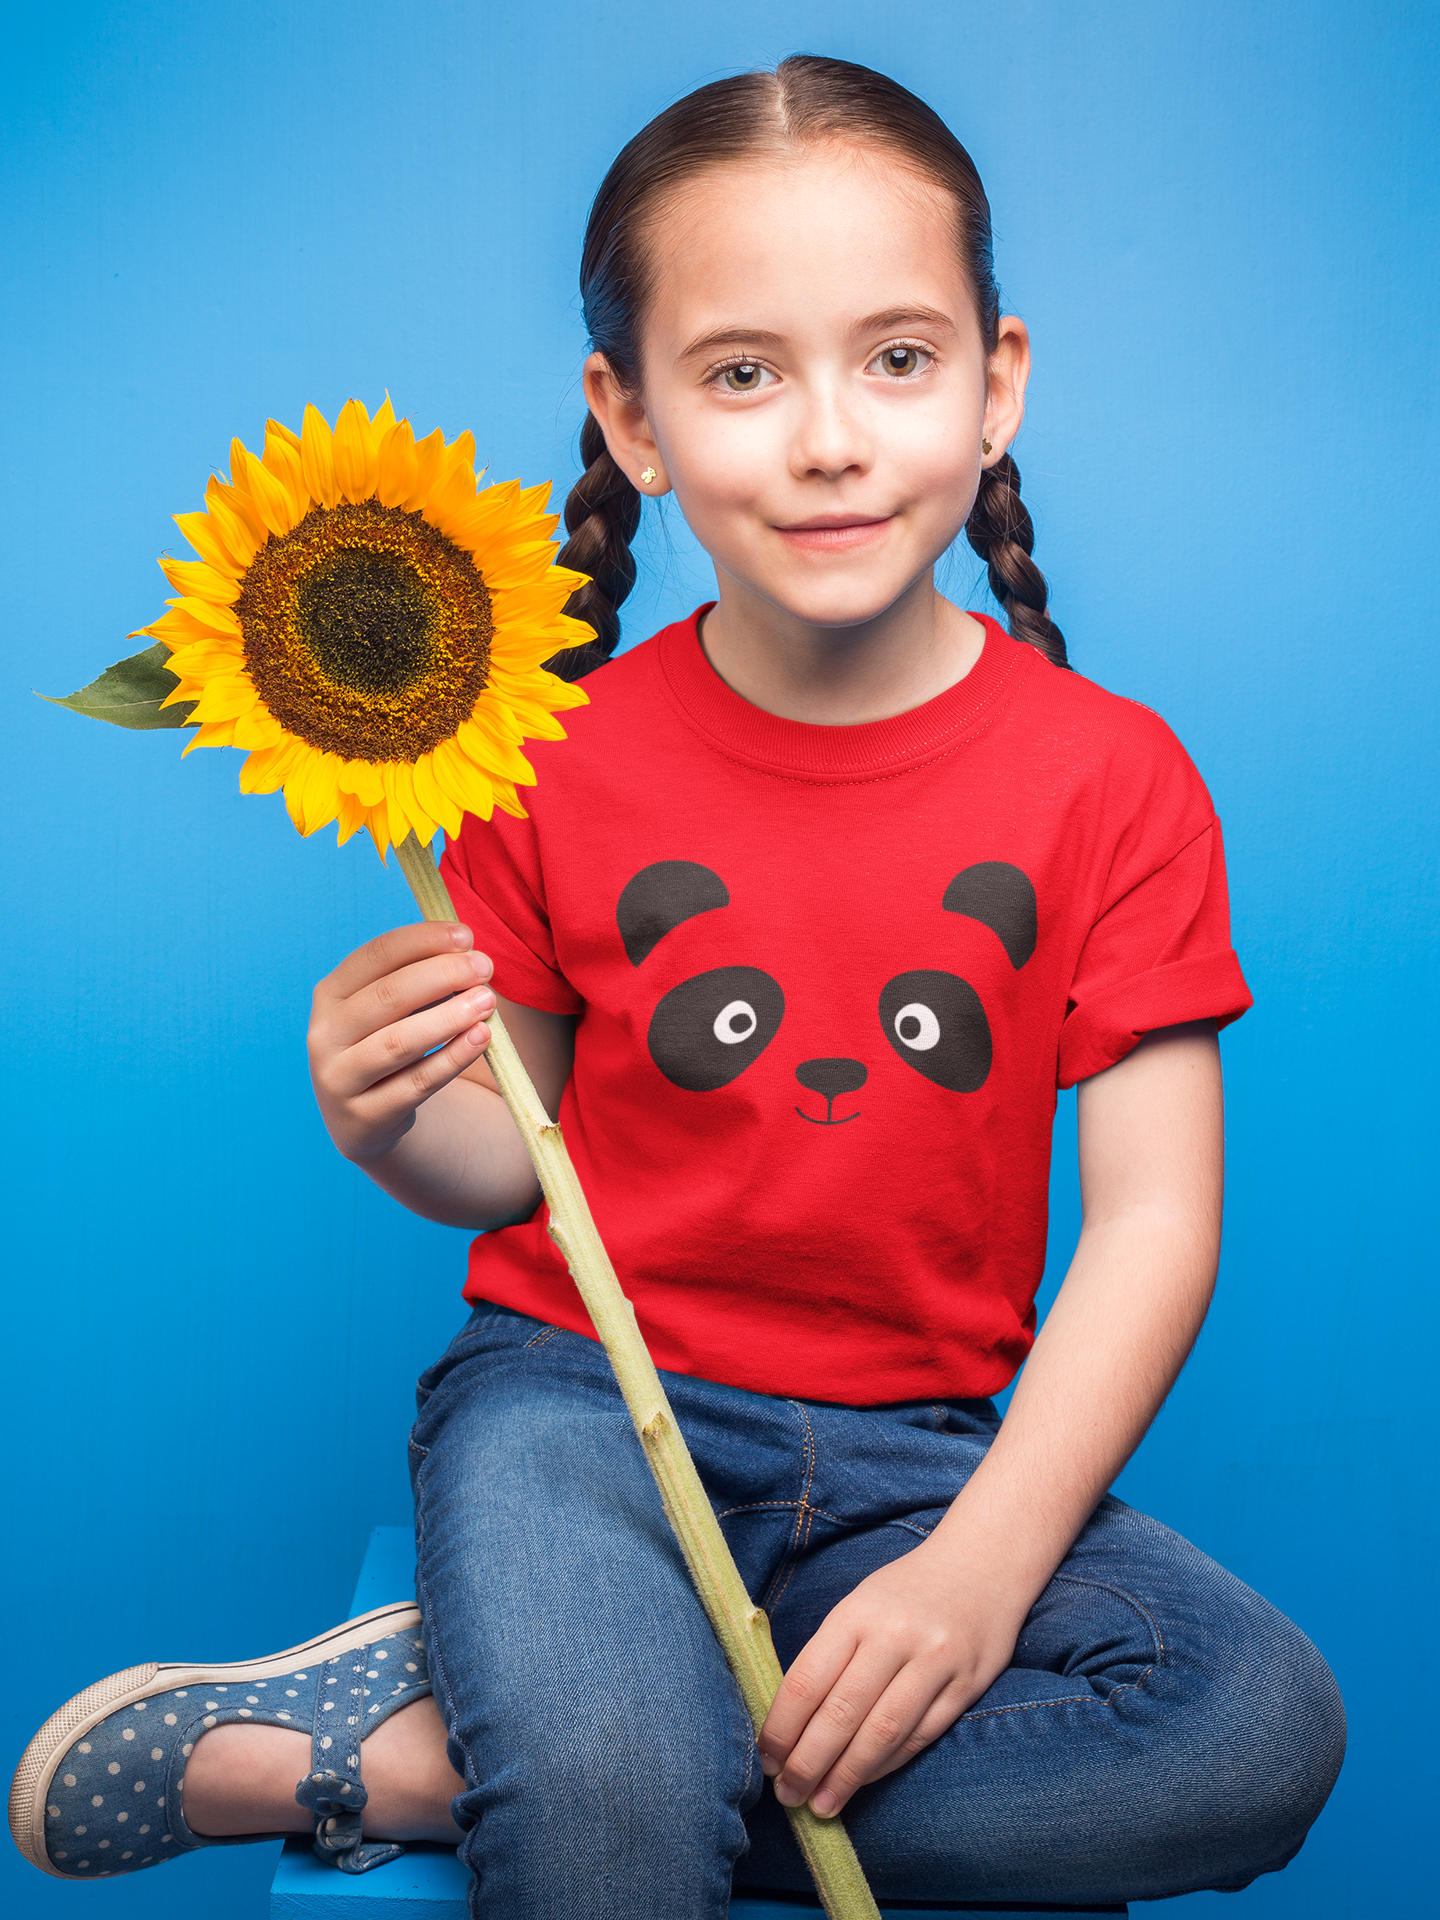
(936,1024)
(735,1022)
(708,1030)
(917,1026)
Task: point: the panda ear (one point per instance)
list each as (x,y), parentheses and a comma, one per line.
(1000,897)
(660,898)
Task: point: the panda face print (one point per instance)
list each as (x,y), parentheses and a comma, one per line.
(707,1031)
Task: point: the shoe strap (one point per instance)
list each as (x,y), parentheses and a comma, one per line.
(333,1790)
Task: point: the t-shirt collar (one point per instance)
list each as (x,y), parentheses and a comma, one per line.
(798,747)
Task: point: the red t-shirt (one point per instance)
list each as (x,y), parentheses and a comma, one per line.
(828,980)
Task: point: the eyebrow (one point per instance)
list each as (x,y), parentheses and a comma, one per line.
(884,322)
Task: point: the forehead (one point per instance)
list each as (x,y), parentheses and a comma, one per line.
(802,240)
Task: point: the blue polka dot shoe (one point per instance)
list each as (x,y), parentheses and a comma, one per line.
(98,1791)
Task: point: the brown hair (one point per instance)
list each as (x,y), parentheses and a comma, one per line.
(805,99)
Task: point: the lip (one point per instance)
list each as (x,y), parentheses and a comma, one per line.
(835,532)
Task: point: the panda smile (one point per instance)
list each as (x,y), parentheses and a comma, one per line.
(831,1078)
(828,1121)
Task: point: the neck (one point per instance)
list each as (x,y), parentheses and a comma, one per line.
(840,676)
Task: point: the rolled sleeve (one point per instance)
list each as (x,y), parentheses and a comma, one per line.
(1158,956)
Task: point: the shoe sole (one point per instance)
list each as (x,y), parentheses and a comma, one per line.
(31,1785)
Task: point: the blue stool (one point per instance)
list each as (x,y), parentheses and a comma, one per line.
(429,1882)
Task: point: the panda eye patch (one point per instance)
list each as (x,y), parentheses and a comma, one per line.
(708,1030)
(936,1024)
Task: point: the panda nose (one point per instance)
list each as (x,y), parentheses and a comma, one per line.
(832,1077)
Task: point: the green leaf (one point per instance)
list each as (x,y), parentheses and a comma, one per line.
(129,693)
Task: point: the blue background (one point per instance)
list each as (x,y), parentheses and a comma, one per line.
(1219,222)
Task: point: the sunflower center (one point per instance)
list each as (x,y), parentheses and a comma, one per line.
(366,618)
(367,632)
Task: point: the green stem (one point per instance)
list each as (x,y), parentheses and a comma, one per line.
(741,1627)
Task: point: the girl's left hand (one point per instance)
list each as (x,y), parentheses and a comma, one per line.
(892,1667)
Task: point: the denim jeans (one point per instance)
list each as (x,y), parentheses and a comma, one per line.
(1161,1728)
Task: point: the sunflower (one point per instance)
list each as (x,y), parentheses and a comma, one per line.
(371,625)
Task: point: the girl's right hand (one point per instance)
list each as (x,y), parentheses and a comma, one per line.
(377,1021)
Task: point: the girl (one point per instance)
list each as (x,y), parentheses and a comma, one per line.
(830,888)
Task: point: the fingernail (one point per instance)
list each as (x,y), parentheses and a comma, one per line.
(480,962)
(768,1766)
(786,1794)
(462,937)
(479,1036)
(825,1804)
(481,1002)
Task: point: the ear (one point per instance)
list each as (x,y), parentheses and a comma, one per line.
(1007,374)
(1000,897)
(625,426)
(660,898)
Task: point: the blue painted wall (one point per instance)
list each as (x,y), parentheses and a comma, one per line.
(1219,221)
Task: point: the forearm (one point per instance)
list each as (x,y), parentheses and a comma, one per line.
(1111,1347)
(461,1162)
(1152,1172)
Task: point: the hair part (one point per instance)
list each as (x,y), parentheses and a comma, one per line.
(806,100)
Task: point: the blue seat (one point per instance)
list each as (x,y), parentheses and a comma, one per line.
(429,1882)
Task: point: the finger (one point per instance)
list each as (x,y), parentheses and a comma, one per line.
(394,996)
(379,1056)
(834,1723)
(809,1681)
(398,1096)
(389,951)
(902,1722)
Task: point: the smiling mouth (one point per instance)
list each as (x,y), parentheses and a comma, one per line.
(828,1121)
(834,533)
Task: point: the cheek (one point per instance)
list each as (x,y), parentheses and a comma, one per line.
(718,466)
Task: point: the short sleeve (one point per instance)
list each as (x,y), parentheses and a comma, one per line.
(493,872)
(1159,955)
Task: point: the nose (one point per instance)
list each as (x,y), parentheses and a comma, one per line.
(832,1077)
(830,441)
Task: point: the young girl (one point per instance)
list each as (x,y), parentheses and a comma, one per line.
(830,888)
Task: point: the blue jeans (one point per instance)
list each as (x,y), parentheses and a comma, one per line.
(1161,1729)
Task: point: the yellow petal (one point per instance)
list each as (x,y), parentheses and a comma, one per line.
(218,734)
(395,465)
(317,458)
(230,525)
(198,580)
(351,816)
(237,500)
(382,423)
(200,530)
(496,756)
(354,461)
(282,459)
(258,729)
(464,783)
(433,797)
(362,778)
(429,453)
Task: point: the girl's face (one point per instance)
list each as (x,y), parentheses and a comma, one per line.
(815,388)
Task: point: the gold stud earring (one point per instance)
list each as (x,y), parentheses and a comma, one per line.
(647,478)
(985,446)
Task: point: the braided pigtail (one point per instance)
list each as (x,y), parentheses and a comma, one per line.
(602,514)
(1002,533)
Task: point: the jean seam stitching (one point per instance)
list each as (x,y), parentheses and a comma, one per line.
(437,1665)
(1105,1586)
(540,1339)
(1067,1700)
(804,1515)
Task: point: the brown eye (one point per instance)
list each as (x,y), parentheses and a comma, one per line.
(745,378)
(900,360)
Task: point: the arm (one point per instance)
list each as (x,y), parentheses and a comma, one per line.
(903,1656)
(397,1039)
